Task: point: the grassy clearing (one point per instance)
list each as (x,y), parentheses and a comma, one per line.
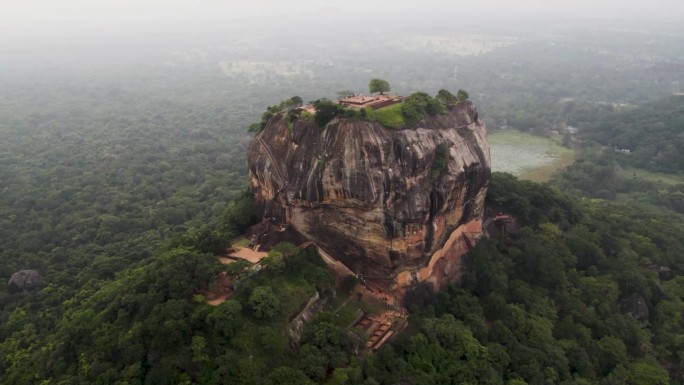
(345,309)
(545,172)
(243,242)
(372,307)
(346,315)
(389,116)
(658,177)
(528,156)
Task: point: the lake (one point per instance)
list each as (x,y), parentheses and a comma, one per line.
(528,156)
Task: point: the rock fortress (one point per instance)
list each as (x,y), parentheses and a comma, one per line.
(395,207)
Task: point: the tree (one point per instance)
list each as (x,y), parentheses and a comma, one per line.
(274,260)
(264,302)
(297,101)
(225,318)
(237,267)
(441,161)
(378,85)
(610,352)
(290,103)
(462,95)
(271,339)
(242,213)
(647,372)
(326,111)
(446,97)
(420,104)
(287,376)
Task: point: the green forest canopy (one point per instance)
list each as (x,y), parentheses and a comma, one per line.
(545,308)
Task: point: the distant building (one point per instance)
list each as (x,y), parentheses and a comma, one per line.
(361,101)
(572,130)
(373,101)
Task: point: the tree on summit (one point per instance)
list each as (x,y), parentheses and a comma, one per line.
(378,85)
(446,97)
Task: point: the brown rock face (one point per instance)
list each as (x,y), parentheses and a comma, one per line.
(377,199)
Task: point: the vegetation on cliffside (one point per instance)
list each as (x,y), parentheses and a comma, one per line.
(417,106)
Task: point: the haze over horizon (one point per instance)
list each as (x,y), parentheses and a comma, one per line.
(17,12)
(77,31)
(43,19)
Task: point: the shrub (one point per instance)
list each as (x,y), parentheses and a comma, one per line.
(419,105)
(446,97)
(441,161)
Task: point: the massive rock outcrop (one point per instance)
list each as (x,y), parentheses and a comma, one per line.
(398,206)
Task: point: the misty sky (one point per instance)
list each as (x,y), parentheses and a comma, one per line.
(33,12)
(31,27)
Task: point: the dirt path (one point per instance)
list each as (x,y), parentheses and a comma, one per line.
(218,299)
(248,254)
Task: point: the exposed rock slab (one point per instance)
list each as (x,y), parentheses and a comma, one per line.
(25,280)
(313,306)
(371,197)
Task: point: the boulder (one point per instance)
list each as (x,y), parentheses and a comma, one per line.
(25,280)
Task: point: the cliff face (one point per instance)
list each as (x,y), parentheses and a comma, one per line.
(397,206)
